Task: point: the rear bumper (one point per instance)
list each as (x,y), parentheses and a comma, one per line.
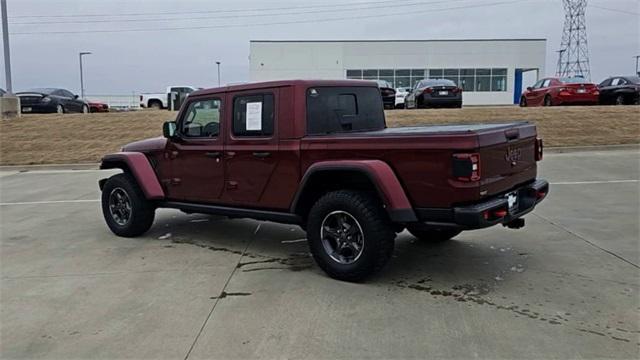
(578,99)
(38,108)
(445,100)
(481,215)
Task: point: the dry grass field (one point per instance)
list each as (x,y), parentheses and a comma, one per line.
(77,138)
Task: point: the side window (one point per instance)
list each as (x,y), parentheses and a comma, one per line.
(615,82)
(538,85)
(605,83)
(546,83)
(202,119)
(622,81)
(253,115)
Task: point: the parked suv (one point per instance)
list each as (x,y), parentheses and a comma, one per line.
(318,154)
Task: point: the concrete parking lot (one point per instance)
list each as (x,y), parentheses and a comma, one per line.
(197,286)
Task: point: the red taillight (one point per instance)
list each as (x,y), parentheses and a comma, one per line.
(540,194)
(539,149)
(456,90)
(494,214)
(466,167)
(427,90)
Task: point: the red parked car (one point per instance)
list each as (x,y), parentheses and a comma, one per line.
(96,106)
(561,91)
(319,154)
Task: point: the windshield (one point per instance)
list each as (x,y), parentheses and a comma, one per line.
(344,109)
(436,82)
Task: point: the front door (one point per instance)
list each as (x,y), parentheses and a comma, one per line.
(196,155)
(251,151)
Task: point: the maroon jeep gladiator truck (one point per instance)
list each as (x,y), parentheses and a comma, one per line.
(319,154)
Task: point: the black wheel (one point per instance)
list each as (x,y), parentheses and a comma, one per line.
(350,235)
(430,234)
(127,212)
(523,102)
(547,101)
(85,109)
(620,100)
(156,105)
(60,109)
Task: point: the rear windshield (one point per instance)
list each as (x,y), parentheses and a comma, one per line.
(344,109)
(384,83)
(634,79)
(42,90)
(574,80)
(436,82)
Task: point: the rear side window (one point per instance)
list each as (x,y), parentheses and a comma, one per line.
(253,115)
(344,109)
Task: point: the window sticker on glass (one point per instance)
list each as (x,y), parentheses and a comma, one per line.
(254,116)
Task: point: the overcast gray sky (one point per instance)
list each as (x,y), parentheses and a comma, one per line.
(125,62)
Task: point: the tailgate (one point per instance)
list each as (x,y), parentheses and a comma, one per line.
(508,158)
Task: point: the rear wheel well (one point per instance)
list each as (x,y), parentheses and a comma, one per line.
(154,102)
(323,182)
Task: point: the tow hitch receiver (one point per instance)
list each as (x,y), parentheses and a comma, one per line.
(515,224)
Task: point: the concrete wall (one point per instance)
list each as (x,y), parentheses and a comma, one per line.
(272,60)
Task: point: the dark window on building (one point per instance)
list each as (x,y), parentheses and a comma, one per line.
(344,109)
(253,115)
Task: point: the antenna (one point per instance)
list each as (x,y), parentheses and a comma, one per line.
(573,57)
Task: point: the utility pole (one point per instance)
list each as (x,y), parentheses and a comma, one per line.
(218,63)
(5,40)
(81,73)
(637,69)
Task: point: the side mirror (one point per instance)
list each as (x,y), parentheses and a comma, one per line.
(169,129)
(75,96)
(529,88)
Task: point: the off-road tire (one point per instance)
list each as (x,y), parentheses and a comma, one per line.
(142,210)
(430,234)
(378,234)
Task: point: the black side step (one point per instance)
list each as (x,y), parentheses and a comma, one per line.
(275,216)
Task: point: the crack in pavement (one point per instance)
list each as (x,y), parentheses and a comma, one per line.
(223,293)
(586,240)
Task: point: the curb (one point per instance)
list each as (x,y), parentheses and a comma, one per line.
(569,149)
(82,166)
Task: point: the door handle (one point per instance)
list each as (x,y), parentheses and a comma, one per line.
(262,154)
(213,154)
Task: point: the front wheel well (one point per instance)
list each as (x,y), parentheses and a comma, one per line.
(326,181)
(122,165)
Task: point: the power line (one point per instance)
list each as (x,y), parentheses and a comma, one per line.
(419,3)
(306,21)
(206,11)
(615,10)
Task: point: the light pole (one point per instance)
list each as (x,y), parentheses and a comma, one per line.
(218,63)
(637,70)
(81,74)
(5,39)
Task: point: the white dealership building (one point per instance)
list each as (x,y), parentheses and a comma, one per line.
(491,71)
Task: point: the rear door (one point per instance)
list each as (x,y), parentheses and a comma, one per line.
(251,155)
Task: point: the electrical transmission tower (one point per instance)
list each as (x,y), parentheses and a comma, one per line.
(573,57)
